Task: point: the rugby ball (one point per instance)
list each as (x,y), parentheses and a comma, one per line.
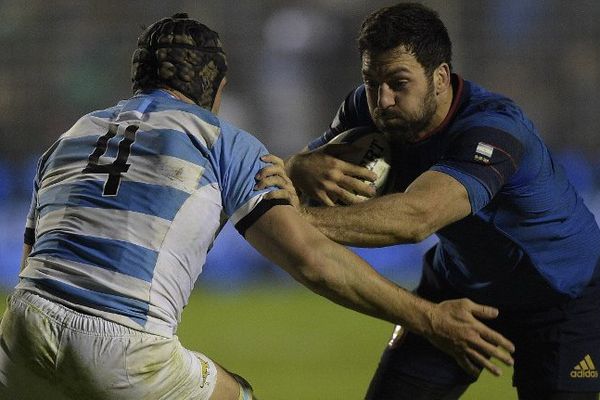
(372,150)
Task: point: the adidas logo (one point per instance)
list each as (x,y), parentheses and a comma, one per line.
(585,369)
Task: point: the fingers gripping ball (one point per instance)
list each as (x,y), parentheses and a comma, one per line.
(372,150)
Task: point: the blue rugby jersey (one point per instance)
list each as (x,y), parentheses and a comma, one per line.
(529,236)
(127,204)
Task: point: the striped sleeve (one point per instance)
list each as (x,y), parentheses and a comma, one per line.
(238,154)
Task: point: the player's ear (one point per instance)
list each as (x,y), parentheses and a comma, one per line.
(441,78)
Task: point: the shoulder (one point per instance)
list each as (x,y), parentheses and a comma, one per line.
(495,118)
(483,108)
(222,130)
(490,123)
(198,123)
(232,133)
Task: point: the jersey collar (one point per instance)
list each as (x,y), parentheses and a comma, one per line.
(156,93)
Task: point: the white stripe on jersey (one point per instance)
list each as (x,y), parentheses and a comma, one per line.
(30,223)
(178,261)
(178,120)
(246,208)
(164,171)
(68,173)
(86,126)
(86,277)
(205,132)
(155,170)
(142,229)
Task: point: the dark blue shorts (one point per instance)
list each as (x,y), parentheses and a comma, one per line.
(557,344)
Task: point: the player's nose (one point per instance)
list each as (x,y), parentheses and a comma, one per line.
(385,96)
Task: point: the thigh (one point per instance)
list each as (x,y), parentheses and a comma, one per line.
(162,368)
(230,386)
(226,387)
(29,335)
(413,369)
(28,343)
(558,348)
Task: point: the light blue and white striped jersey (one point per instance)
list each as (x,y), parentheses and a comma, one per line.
(128,202)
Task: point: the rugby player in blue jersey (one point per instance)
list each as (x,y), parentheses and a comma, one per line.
(471,168)
(126,205)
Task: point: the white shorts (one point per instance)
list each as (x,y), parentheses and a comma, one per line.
(48,351)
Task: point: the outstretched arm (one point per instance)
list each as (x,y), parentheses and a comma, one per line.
(333,271)
(336,273)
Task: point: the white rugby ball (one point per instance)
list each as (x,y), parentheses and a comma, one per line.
(373,151)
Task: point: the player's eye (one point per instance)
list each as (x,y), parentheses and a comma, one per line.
(398,85)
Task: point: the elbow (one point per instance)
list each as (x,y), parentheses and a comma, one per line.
(421,227)
(420,233)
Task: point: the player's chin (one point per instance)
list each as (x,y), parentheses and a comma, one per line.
(391,125)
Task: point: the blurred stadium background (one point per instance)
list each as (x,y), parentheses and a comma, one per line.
(291,64)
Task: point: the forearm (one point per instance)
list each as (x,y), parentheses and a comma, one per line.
(352,283)
(333,271)
(382,221)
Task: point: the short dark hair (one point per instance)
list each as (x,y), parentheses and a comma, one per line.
(412,25)
(182,54)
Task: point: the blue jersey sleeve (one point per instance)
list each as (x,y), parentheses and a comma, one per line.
(482,159)
(238,154)
(353,112)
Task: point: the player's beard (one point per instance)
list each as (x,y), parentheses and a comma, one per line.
(407,126)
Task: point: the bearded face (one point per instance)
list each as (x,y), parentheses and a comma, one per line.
(401,96)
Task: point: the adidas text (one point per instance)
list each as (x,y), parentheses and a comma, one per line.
(585,369)
(584,374)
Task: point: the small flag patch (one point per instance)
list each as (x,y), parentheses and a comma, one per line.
(484,149)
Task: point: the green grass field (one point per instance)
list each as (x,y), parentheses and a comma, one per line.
(292,344)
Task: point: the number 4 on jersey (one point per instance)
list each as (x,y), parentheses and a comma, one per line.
(117,167)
